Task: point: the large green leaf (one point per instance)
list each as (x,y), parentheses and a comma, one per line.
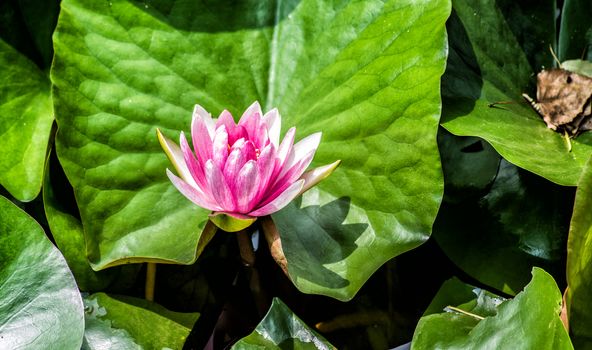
(131,323)
(25,122)
(486,64)
(520,222)
(579,260)
(575,37)
(40,305)
(66,230)
(365,73)
(281,329)
(529,321)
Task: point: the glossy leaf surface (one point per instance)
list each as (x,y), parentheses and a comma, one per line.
(25,122)
(39,301)
(281,329)
(487,64)
(579,260)
(529,321)
(366,74)
(131,323)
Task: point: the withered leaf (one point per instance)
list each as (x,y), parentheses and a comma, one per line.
(564,100)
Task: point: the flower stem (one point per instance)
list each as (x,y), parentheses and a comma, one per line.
(150,280)
(245,247)
(247,254)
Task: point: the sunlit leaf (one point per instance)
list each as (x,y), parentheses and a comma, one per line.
(487,65)
(579,268)
(40,305)
(366,74)
(529,321)
(25,122)
(281,329)
(118,322)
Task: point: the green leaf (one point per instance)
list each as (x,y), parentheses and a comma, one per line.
(40,305)
(281,329)
(579,268)
(486,65)
(118,322)
(498,237)
(366,74)
(25,123)
(575,37)
(68,234)
(529,321)
(578,66)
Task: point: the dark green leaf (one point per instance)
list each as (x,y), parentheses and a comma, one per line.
(281,329)
(575,37)
(364,73)
(521,222)
(40,305)
(529,321)
(131,323)
(579,267)
(486,65)
(25,123)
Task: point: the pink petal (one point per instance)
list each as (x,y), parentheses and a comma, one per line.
(219,187)
(246,187)
(285,147)
(316,175)
(302,149)
(274,124)
(234,131)
(280,201)
(192,193)
(237,159)
(252,122)
(195,168)
(266,164)
(220,147)
(202,140)
(199,113)
(289,175)
(175,155)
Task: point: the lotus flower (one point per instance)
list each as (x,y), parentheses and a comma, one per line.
(242,171)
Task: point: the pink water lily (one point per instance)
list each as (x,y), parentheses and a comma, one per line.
(242,170)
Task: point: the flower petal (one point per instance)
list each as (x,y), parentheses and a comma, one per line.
(274,124)
(192,193)
(285,147)
(201,114)
(176,157)
(237,159)
(316,175)
(245,187)
(252,122)
(219,187)
(220,147)
(302,148)
(201,135)
(198,178)
(280,201)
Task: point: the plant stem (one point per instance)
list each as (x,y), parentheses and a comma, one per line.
(245,247)
(461,311)
(150,280)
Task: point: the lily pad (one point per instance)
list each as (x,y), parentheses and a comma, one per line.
(579,270)
(117,322)
(67,232)
(487,65)
(575,37)
(366,74)
(26,117)
(40,305)
(281,329)
(529,321)
(520,222)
